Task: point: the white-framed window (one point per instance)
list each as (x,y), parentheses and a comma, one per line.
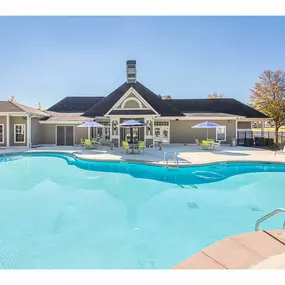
(19,133)
(1,133)
(161,123)
(221,133)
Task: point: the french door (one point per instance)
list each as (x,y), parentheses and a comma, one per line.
(161,133)
(65,135)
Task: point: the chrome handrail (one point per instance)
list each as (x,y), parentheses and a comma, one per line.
(271,214)
(175,158)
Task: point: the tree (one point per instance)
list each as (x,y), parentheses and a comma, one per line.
(268,96)
(215,95)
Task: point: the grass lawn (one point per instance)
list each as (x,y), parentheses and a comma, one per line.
(281,129)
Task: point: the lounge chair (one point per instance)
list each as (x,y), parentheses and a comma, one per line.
(141,146)
(88,143)
(81,142)
(125,146)
(197,142)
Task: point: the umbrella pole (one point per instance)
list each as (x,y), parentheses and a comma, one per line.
(132,135)
(207,133)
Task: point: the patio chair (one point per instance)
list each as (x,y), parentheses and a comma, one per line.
(88,143)
(197,142)
(82,142)
(206,144)
(141,146)
(125,146)
(94,142)
(216,144)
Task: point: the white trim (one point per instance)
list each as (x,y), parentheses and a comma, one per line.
(199,118)
(236,124)
(128,116)
(3,134)
(66,123)
(131,90)
(132,99)
(24,132)
(8,131)
(225,133)
(29,131)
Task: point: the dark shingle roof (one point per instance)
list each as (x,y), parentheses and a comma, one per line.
(220,105)
(158,104)
(75,104)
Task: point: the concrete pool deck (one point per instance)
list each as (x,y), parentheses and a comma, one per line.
(254,250)
(187,155)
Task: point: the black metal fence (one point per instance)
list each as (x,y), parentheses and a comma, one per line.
(259,139)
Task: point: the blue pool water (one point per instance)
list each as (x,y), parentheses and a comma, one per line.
(61,212)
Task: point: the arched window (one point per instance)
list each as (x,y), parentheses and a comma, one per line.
(132,103)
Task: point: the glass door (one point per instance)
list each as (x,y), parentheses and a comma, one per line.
(161,134)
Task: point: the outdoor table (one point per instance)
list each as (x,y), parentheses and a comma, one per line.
(133,146)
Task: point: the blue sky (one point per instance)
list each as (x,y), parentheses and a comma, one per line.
(43,59)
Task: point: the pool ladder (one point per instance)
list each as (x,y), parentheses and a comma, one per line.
(175,158)
(271,214)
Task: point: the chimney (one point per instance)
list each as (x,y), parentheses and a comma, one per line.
(131,71)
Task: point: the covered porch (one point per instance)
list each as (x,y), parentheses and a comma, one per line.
(18,130)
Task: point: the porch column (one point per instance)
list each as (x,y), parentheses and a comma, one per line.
(262,128)
(8,131)
(145,120)
(152,121)
(119,135)
(89,131)
(29,131)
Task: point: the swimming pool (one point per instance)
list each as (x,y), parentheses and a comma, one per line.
(57,211)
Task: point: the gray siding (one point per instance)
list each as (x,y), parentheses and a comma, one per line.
(182,131)
(244,125)
(36,131)
(17,120)
(3,120)
(80,133)
(47,134)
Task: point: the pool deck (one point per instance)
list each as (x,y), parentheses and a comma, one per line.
(254,250)
(187,155)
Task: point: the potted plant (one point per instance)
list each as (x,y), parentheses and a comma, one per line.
(160,145)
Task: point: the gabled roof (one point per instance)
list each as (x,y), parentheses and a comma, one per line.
(220,105)
(9,106)
(158,104)
(75,104)
(64,117)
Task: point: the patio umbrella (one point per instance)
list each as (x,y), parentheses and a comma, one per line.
(206,125)
(132,123)
(91,125)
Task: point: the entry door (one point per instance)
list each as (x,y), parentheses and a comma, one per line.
(161,134)
(65,135)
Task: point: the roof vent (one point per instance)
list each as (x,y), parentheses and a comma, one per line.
(131,71)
